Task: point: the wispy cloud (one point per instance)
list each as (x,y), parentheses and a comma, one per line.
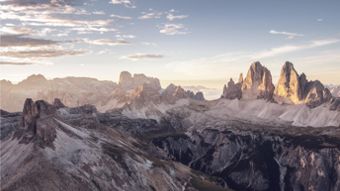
(149,43)
(20,40)
(125,36)
(172,17)
(14,63)
(289,35)
(150,15)
(203,66)
(292,48)
(106,42)
(140,56)
(48,14)
(173,29)
(120,17)
(98,12)
(4,60)
(126,3)
(15,30)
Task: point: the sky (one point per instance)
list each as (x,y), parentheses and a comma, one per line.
(198,42)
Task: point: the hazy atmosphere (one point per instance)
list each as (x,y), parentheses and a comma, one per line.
(190,42)
(160,95)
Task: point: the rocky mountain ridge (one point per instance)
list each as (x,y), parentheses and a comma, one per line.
(136,89)
(291,88)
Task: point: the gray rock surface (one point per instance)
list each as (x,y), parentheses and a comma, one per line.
(250,156)
(233,91)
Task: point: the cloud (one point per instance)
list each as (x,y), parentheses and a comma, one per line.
(173,29)
(292,48)
(98,12)
(88,29)
(14,63)
(319,19)
(289,35)
(48,15)
(150,15)
(40,53)
(149,43)
(140,56)
(4,60)
(15,30)
(172,17)
(232,60)
(120,17)
(106,42)
(124,36)
(20,40)
(126,3)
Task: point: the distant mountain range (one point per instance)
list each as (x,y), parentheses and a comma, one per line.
(105,95)
(142,96)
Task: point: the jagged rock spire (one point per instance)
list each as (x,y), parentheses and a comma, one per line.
(296,89)
(258,82)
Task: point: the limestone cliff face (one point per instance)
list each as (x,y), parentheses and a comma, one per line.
(258,83)
(127,81)
(233,91)
(295,88)
(173,93)
(290,83)
(34,123)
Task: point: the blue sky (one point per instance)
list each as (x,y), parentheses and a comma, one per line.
(191,40)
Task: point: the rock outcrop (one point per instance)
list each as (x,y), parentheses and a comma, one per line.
(335,104)
(145,94)
(34,123)
(198,96)
(173,93)
(258,83)
(295,88)
(127,81)
(233,91)
(335,90)
(289,85)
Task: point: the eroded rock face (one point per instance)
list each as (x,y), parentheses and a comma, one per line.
(199,96)
(173,93)
(296,89)
(233,91)
(127,81)
(247,160)
(335,104)
(57,103)
(145,94)
(289,85)
(258,83)
(33,120)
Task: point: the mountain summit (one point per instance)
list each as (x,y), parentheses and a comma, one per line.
(258,82)
(296,89)
(291,88)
